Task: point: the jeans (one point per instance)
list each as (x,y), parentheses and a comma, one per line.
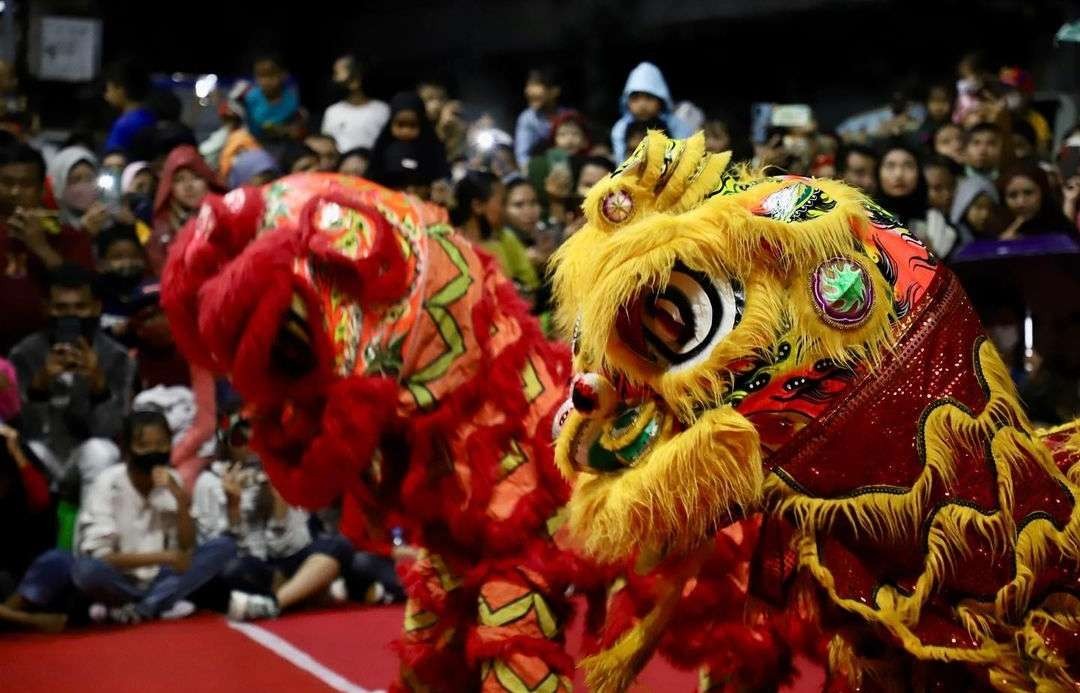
(256,575)
(56,572)
(369,568)
(47,582)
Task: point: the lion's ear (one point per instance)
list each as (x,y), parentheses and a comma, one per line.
(662,175)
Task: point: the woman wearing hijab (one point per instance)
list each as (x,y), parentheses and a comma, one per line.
(185,180)
(1026,194)
(137,186)
(903,192)
(407,143)
(73,173)
(976,212)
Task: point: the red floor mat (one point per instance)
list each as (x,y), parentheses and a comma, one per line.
(354,642)
(204,654)
(197,654)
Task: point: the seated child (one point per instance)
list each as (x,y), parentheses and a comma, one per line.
(278,565)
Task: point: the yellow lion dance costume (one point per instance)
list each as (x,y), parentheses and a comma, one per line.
(777,350)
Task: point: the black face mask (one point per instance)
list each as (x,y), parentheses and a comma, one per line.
(149,460)
(67,329)
(121,283)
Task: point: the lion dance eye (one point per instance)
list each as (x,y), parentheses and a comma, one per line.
(681,323)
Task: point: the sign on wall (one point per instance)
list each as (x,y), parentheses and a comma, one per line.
(66,49)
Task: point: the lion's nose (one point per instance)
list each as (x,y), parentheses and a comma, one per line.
(592,394)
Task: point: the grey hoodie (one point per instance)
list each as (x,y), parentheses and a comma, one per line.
(648,79)
(966,193)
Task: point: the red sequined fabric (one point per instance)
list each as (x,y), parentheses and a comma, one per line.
(873,442)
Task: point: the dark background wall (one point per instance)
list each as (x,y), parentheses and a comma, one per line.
(722,54)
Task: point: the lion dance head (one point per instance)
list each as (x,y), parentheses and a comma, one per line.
(308,293)
(715,314)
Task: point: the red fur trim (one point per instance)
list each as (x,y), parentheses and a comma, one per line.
(353,418)
(440,669)
(732,650)
(553,653)
(379,277)
(213,237)
(179,298)
(241,312)
(622,614)
(317,434)
(357,513)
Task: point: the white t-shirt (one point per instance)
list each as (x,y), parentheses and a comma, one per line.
(258,533)
(116,518)
(935,232)
(355,126)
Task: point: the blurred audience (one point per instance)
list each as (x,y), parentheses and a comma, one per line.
(136,556)
(941,174)
(325,147)
(32,243)
(904,192)
(253,167)
(356,120)
(948,140)
(857,166)
(185,180)
(1025,190)
(982,150)
(534,124)
(355,162)
(407,153)
(127,86)
(273,104)
(479,217)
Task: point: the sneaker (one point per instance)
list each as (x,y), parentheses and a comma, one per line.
(338,592)
(378,594)
(249,607)
(181,609)
(99,613)
(125,615)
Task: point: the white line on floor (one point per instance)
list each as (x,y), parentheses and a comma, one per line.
(297,657)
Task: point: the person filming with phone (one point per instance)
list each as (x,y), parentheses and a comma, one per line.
(75,383)
(32,242)
(90,196)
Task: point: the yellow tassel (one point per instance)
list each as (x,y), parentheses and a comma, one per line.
(614,669)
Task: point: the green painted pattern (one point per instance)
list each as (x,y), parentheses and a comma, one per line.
(513,459)
(843,286)
(533,387)
(385,359)
(438,307)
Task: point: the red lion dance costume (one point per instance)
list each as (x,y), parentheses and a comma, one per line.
(390,364)
(779,354)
